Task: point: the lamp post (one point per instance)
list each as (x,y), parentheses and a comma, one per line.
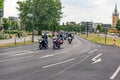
(87,28)
(106,35)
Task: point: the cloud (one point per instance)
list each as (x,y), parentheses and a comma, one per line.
(10,8)
(77,10)
(89,10)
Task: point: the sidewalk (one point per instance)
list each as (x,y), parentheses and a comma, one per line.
(22,39)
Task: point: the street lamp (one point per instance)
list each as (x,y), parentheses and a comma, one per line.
(87,27)
(31,15)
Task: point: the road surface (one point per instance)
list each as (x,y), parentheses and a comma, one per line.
(81,60)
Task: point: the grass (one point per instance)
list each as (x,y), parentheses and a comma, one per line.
(17,44)
(100,39)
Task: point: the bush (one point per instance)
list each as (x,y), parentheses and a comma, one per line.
(11,31)
(6,31)
(2,37)
(50,36)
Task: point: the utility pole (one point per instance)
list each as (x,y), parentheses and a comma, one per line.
(87,28)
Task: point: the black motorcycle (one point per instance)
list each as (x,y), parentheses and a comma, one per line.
(69,40)
(43,44)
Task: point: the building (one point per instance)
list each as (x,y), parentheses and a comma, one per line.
(13,18)
(88,26)
(107,26)
(115,17)
(95,25)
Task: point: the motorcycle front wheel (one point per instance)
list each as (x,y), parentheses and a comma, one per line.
(40,46)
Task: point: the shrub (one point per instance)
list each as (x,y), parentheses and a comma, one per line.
(2,37)
(50,36)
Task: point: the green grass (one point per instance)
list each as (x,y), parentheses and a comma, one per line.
(100,39)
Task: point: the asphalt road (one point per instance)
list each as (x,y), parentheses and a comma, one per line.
(81,60)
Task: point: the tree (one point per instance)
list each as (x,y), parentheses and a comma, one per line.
(6,23)
(104,30)
(98,27)
(82,28)
(45,13)
(118,25)
(14,25)
(1,4)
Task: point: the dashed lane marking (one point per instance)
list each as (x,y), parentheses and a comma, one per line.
(15,59)
(24,53)
(14,53)
(58,63)
(46,56)
(90,52)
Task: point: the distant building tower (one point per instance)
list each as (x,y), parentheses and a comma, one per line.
(115,17)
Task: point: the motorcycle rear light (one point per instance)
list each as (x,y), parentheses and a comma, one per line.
(54,40)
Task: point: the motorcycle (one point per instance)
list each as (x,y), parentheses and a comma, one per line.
(57,42)
(69,40)
(43,44)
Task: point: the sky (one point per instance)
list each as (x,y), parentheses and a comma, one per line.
(97,11)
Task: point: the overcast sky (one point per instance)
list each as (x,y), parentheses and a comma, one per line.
(77,10)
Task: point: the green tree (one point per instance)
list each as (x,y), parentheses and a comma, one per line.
(104,30)
(118,25)
(14,25)
(98,28)
(6,23)
(45,13)
(82,28)
(1,4)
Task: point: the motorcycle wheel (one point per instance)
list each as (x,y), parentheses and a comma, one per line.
(53,46)
(69,42)
(40,46)
(59,46)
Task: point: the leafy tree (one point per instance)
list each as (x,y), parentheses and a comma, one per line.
(98,28)
(1,4)
(82,28)
(14,25)
(45,13)
(104,30)
(118,25)
(6,23)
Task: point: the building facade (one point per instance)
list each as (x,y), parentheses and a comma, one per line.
(115,17)
(88,25)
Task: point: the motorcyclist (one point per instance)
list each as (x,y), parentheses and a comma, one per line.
(60,37)
(70,35)
(44,37)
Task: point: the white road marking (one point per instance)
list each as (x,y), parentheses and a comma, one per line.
(96,57)
(14,52)
(46,56)
(115,74)
(58,63)
(19,54)
(15,59)
(99,46)
(95,60)
(90,52)
(72,66)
